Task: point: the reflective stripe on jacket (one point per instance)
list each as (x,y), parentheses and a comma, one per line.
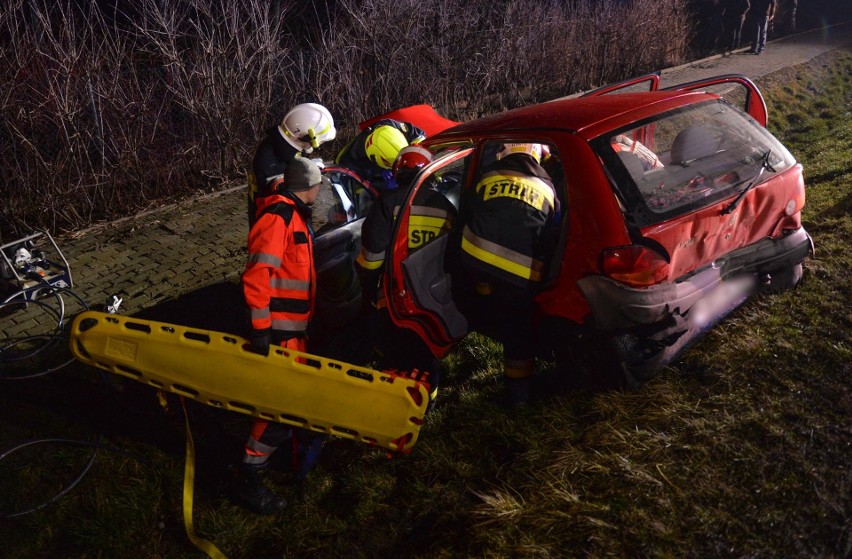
(430,216)
(279,281)
(509,219)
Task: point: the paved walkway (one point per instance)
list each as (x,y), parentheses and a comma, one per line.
(162,254)
(781,53)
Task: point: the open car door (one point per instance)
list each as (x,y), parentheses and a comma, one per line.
(338,215)
(648,82)
(416,283)
(737,90)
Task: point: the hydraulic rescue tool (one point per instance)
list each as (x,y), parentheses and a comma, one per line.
(378,408)
(24,267)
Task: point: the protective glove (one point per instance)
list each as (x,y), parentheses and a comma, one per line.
(390,180)
(260,340)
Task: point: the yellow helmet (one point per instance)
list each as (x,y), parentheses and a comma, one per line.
(308,125)
(383,144)
(530,149)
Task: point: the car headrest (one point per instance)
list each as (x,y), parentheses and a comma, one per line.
(693,143)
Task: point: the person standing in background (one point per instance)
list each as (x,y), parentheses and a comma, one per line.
(734,15)
(763,11)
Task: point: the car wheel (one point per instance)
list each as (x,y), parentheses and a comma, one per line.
(785,278)
(602,361)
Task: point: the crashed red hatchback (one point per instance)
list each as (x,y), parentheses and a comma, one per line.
(679,204)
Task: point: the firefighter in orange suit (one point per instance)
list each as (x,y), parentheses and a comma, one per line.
(279,284)
(432,215)
(507,234)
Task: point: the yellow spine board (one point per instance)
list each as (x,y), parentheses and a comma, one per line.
(286,386)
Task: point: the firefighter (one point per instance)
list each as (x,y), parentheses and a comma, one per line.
(507,234)
(279,284)
(304,128)
(373,151)
(432,215)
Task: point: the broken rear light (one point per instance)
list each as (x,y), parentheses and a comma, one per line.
(634,265)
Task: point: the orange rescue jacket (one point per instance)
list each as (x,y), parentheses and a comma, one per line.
(279,282)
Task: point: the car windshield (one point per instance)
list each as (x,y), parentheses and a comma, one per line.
(688,159)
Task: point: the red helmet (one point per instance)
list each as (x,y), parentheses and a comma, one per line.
(410,160)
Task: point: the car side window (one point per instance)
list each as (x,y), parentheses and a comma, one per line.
(345,200)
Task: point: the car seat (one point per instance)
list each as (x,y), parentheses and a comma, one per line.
(632,162)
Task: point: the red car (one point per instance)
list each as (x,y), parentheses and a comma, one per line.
(677,205)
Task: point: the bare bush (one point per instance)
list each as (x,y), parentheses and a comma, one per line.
(103,113)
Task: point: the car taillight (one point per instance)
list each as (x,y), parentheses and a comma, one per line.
(792,217)
(634,265)
(797,200)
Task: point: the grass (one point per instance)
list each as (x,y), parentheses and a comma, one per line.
(740,449)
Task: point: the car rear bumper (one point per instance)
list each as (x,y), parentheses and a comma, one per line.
(654,324)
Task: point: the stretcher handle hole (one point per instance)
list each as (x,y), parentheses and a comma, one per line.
(197,336)
(293,420)
(315,363)
(363,375)
(128,371)
(344,432)
(87,324)
(185,391)
(416,395)
(138,326)
(241,407)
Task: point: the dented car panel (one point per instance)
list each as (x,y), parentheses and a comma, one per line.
(707,234)
(664,318)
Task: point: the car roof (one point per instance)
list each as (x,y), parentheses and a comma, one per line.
(587,116)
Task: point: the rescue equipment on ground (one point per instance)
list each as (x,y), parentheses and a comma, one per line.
(25,266)
(315,393)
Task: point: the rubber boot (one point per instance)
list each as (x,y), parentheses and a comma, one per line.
(249,490)
(517,374)
(517,391)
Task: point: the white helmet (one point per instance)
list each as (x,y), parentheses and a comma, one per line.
(530,149)
(307,126)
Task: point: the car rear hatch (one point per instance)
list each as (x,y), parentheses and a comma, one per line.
(700,182)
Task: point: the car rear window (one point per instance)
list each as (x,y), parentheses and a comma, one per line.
(683,160)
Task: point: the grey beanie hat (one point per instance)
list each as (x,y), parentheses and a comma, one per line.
(302,174)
